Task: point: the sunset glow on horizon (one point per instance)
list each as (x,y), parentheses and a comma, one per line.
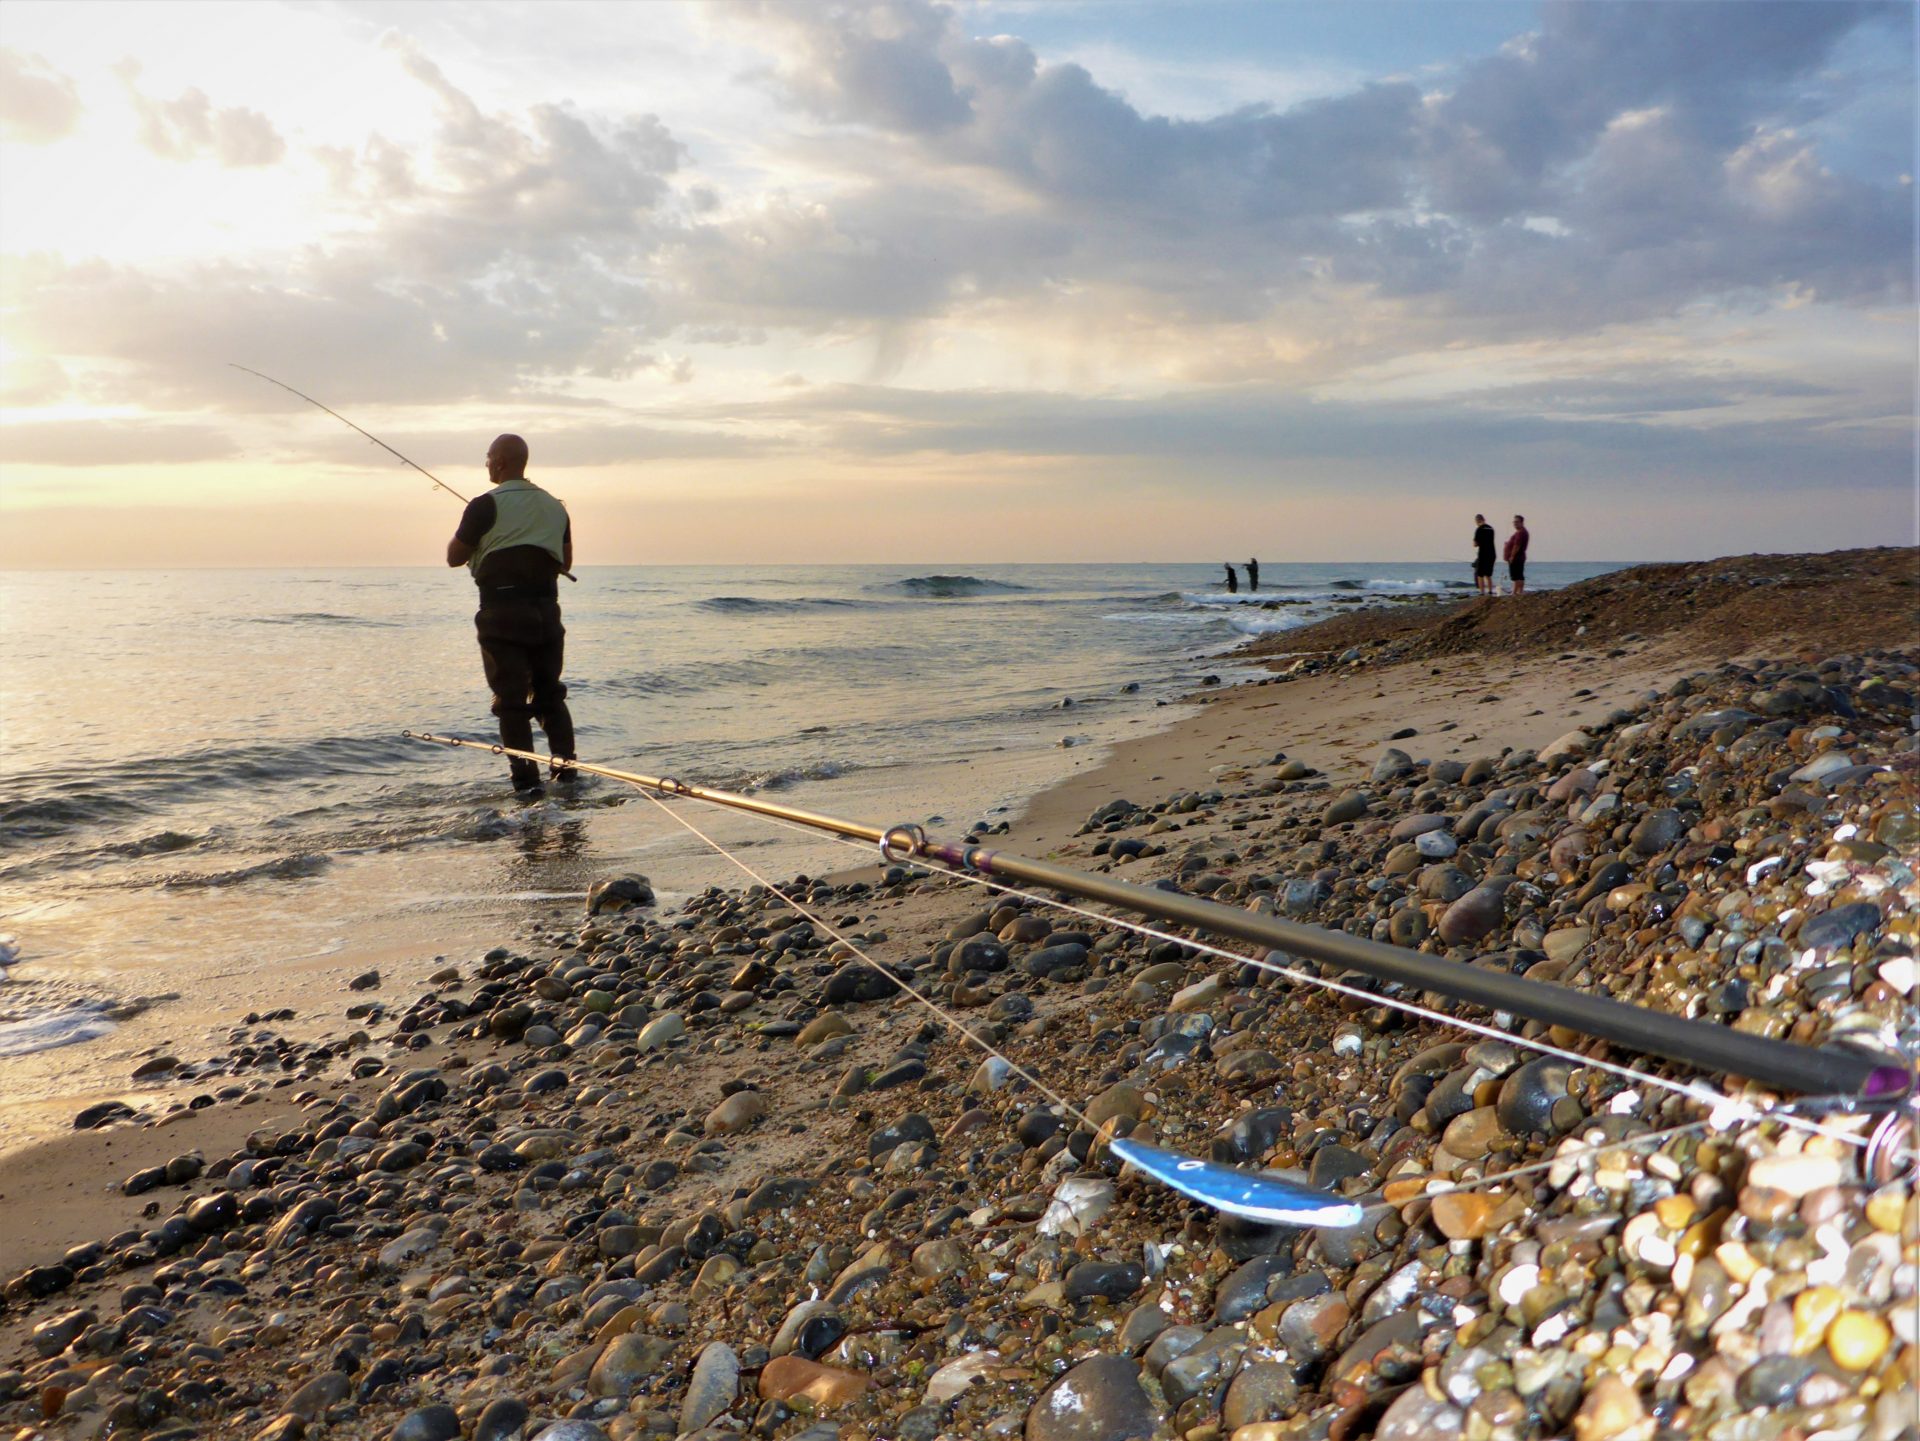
(906,281)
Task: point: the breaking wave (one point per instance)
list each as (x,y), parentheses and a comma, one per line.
(86,795)
(284,868)
(947,587)
(753,605)
(316,617)
(749,781)
(25,1035)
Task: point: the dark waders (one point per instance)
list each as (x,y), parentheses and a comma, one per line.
(522,647)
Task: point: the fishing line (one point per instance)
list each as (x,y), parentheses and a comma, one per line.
(348,423)
(1727,1111)
(1690,1090)
(1742,1112)
(1884,1086)
(946,1016)
(1252,1194)
(369,435)
(1581,1156)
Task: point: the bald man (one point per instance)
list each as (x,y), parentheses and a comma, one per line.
(517,541)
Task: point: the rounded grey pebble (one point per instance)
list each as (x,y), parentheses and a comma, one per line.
(429,1423)
(572,1430)
(504,1419)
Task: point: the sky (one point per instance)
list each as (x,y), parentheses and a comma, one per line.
(902,281)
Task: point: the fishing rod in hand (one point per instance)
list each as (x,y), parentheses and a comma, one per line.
(350,425)
(368,434)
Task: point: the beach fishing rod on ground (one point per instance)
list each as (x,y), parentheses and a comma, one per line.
(1701,1045)
(369,435)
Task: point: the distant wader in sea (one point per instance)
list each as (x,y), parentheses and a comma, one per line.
(517,541)
(1253,575)
(1233,581)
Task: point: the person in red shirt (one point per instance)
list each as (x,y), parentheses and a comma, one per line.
(1515,555)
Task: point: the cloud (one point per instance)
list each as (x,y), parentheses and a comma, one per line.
(1499,137)
(555,444)
(190,126)
(1647,391)
(963,206)
(1227,440)
(28,380)
(111,442)
(510,250)
(874,62)
(38,104)
(1620,162)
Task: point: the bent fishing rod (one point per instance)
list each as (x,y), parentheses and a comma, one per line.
(368,434)
(1700,1045)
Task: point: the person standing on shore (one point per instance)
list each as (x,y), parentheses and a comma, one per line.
(1482,556)
(1233,580)
(1253,575)
(517,541)
(1516,555)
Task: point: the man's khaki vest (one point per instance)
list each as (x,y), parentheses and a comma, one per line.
(523,514)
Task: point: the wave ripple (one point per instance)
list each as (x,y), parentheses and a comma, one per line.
(947,587)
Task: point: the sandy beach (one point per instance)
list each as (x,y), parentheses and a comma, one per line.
(698,1170)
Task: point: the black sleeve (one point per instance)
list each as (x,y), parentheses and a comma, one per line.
(476,521)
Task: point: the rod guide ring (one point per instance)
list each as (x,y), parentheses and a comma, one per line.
(1891,1148)
(902,843)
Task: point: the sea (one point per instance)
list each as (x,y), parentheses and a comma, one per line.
(205,789)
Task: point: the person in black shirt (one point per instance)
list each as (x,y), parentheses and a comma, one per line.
(1233,580)
(1482,555)
(1253,575)
(517,540)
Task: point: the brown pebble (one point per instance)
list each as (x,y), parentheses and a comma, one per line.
(1463,1215)
(1612,1408)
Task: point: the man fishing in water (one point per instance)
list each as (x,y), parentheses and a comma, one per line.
(517,541)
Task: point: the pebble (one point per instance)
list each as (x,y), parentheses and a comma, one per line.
(1857,1340)
(1837,927)
(785,1377)
(504,1419)
(1100,1399)
(736,1113)
(661,1031)
(571,1430)
(1348,807)
(1463,1215)
(429,1423)
(1795,1174)
(712,1387)
(1612,1409)
(1473,916)
(823,1027)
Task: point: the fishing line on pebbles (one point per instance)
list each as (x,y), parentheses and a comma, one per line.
(1726,1112)
(945,1015)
